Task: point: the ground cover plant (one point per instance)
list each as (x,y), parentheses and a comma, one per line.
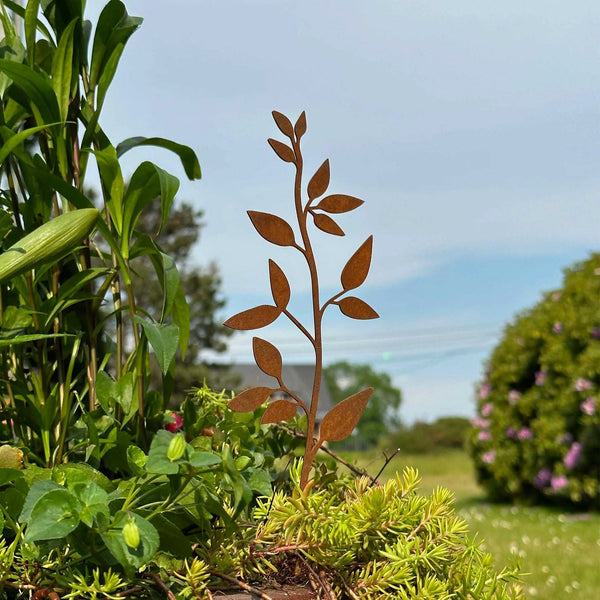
(536,436)
(104,491)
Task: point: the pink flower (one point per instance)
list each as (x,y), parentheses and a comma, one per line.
(557,327)
(543,478)
(525,433)
(484,391)
(173,426)
(480,422)
(513,397)
(558,482)
(540,377)
(484,436)
(596,333)
(511,432)
(588,406)
(573,455)
(489,457)
(487,409)
(581,384)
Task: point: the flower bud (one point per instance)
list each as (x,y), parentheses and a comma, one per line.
(131,534)
(176,448)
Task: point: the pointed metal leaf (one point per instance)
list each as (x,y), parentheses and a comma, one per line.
(280,287)
(300,126)
(254,318)
(273,228)
(339,422)
(249,399)
(267,357)
(338,203)
(319,181)
(280,410)
(357,268)
(284,152)
(284,124)
(327,224)
(356,308)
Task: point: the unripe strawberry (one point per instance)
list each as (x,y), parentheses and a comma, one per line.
(176,448)
(11,457)
(131,534)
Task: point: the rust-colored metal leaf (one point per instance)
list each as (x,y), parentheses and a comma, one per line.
(254,318)
(327,224)
(280,287)
(357,268)
(267,357)
(319,182)
(339,203)
(340,421)
(284,124)
(356,308)
(249,399)
(273,228)
(284,152)
(300,126)
(280,410)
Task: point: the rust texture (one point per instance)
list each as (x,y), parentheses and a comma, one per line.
(318,209)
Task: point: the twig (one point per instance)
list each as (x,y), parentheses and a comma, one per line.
(356,470)
(388,460)
(324,587)
(242,585)
(162,585)
(129,592)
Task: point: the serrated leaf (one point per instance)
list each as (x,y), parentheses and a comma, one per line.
(338,203)
(355,308)
(327,224)
(280,287)
(284,152)
(254,318)
(319,181)
(267,357)
(280,410)
(284,124)
(273,228)
(300,126)
(341,420)
(357,268)
(249,399)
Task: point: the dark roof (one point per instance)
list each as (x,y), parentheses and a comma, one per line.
(298,379)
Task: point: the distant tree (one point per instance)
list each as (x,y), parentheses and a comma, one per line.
(202,287)
(381,414)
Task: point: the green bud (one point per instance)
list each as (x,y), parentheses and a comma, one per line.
(176,448)
(131,534)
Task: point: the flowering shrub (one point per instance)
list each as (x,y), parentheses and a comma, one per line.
(536,434)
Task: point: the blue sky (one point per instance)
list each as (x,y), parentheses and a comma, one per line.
(470,129)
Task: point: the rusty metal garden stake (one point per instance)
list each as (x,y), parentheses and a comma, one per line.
(340,421)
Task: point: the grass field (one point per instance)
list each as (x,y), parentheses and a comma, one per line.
(559,550)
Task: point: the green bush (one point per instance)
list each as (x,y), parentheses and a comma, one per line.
(536,435)
(423,438)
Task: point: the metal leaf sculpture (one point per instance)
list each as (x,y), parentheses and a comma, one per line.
(340,421)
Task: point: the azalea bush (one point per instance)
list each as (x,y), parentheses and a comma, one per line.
(537,430)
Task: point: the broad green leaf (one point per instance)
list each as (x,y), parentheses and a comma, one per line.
(14,319)
(36,89)
(131,559)
(108,74)
(259,481)
(8,475)
(54,515)
(37,490)
(188,157)
(136,459)
(75,473)
(164,340)
(158,462)
(111,393)
(62,69)
(204,460)
(93,500)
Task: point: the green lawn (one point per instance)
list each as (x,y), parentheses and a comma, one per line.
(560,550)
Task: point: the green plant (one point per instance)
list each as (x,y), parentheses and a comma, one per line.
(537,431)
(422,437)
(69,391)
(339,422)
(376,542)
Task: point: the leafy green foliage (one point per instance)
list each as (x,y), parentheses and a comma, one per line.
(536,433)
(422,437)
(380,415)
(376,542)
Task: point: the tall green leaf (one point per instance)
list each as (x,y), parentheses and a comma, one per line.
(31,27)
(62,69)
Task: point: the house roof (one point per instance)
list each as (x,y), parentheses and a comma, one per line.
(298,378)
